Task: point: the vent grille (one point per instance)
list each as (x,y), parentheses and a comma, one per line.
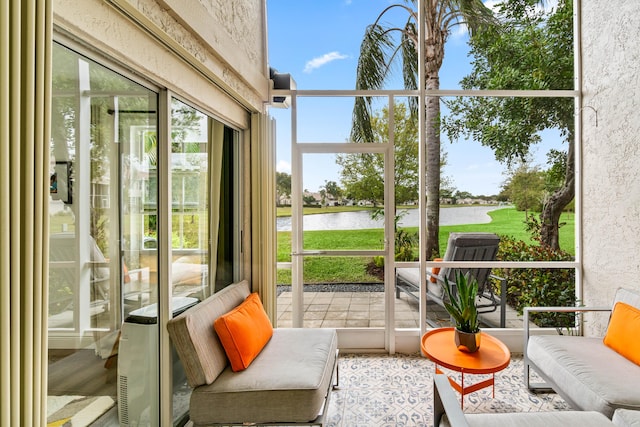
(123,402)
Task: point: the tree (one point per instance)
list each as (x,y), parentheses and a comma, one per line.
(308,199)
(525,188)
(531,50)
(378,52)
(332,189)
(362,174)
(464,195)
(283,186)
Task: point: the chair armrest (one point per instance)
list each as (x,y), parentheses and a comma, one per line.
(528,310)
(446,402)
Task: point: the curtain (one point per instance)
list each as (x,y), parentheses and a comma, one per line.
(216,145)
(263,213)
(25,86)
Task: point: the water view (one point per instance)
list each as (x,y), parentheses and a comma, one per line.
(362,219)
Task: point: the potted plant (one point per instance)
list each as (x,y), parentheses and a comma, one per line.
(461,306)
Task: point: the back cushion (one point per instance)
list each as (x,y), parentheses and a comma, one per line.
(244,331)
(627,296)
(195,340)
(623,331)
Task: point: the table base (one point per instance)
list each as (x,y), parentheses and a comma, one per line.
(460,388)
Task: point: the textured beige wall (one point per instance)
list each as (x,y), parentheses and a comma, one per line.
(611,150)
(183,46)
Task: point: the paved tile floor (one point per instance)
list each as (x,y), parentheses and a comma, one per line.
(366,309)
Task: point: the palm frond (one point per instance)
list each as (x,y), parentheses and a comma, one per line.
(462,305)
(472,13)
(373,68)
(410,62)
(373,63)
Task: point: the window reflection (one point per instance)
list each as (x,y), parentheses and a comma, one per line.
(103,146)
(190,130)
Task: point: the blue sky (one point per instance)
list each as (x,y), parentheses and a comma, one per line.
(318,42)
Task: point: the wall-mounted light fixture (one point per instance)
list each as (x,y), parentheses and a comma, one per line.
(281,81)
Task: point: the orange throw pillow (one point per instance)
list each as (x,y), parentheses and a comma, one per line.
(435,270)
(623,331)
(244,331)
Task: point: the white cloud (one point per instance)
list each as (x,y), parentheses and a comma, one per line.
(491,4)
(322,60)
(459,32)
(283,166)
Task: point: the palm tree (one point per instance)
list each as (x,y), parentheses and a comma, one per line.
(382,46)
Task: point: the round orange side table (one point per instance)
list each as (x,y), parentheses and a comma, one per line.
(492,356)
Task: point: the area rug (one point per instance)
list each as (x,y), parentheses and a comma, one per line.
(383,390)
(76,411)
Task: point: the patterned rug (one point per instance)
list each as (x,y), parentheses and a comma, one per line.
(76,411)
(383,390)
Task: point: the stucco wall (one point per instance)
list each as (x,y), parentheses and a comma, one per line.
(198,52)
(611,150)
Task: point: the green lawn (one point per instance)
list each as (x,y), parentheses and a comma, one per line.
(508,222)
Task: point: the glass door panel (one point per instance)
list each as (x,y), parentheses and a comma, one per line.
(343,243)
(101,204)
(190,138)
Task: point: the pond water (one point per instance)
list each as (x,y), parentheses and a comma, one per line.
(362,219)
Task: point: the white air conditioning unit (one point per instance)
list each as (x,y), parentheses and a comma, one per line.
(138,365)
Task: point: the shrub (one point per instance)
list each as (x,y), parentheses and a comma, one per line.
(538,287)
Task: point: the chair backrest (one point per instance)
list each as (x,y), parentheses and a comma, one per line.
(195,339)
(471,247)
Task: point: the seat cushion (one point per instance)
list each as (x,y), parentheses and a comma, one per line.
(539,419)
(587,372)
(288,381)
(412,277)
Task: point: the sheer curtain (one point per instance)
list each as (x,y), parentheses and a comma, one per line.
(263,193)
(216,138)
(25,81)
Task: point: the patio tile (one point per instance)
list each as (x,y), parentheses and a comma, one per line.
(366,309)
(334,323)
(318,307)
(358,314)
(315,315)
(359,307)
(336,315)
(357,323)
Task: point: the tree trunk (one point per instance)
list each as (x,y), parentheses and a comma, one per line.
(553,207)
(433,168)
(434,55)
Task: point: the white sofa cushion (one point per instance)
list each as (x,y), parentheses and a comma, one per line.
(537,419)
(626,418)
(289,381)
(591,375)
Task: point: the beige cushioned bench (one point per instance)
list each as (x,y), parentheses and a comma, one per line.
(288,382)
(447,413)
(589,375)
